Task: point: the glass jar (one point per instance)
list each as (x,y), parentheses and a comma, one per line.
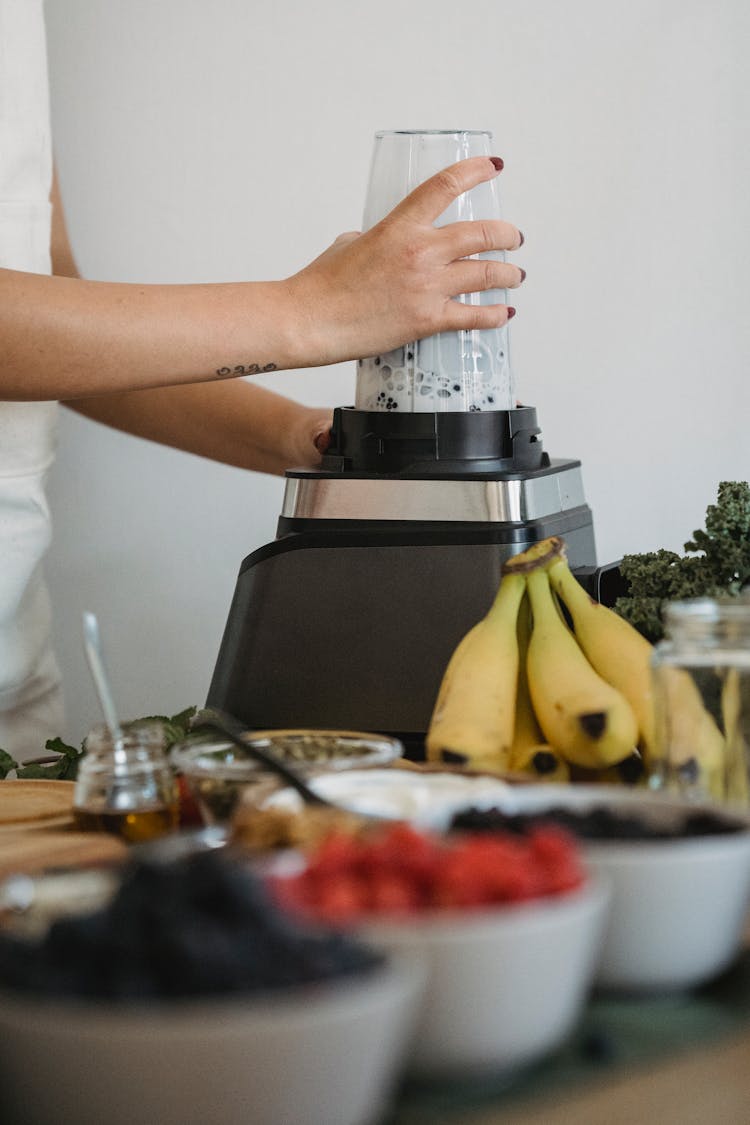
(129,789)
(219,774)
(702,700)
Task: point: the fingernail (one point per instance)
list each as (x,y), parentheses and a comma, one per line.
(497,163)
(322,441)
(523,275)
(522,239)
(511,312)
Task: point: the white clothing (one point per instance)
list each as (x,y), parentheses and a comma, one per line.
(30,698)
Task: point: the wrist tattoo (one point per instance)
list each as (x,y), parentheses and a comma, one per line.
(244,369)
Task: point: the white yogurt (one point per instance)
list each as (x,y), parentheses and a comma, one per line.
(455,371)
(427,800)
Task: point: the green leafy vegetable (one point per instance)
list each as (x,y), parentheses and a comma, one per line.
(176,728)
(6,763)
(718,564)
(65,766)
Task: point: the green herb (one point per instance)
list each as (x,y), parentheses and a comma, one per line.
(6,763)
(717,564)
(176,728)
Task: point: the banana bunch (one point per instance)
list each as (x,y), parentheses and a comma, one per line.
(474,715)
(527,691)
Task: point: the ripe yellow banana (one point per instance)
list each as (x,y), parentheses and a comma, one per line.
(527,734)
(475,710)
(541,762)
(631,771)
(538,554)
(612,646)
(587,720)
(691,746)
(737,788)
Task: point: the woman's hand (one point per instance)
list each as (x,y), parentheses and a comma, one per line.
(307,438)
(371,292)
(63,338)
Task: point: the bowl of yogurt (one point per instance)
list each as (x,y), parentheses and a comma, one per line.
(424,799)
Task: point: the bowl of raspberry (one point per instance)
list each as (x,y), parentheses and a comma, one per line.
(508,930)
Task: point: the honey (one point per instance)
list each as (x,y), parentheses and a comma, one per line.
(134,826)
(129,790)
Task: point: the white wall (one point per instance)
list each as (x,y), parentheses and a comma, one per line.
(227,140)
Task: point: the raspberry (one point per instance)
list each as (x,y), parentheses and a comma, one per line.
(392,894)
(341,899)
(338,852)
(401,871)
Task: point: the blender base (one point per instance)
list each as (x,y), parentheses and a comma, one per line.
(353,629)
(385,558)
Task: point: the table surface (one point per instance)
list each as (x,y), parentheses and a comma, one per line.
(671,1060)
(699,1087)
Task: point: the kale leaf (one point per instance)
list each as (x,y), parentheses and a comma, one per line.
(717,565)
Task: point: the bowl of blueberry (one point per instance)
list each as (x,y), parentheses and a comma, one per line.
(190,997)
(679,872)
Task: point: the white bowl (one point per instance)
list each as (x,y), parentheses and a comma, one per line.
(679,906)
(506,984)
(423,799)
(678,910)
(324,1055)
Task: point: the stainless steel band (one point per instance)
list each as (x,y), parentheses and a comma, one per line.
(467,501)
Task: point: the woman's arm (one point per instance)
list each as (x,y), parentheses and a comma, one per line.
(231,421)
(65,338)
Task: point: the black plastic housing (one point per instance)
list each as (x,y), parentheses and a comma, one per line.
(434,445)
(350,623)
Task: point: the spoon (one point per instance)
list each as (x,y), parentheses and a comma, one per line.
(93,649)
(232,729)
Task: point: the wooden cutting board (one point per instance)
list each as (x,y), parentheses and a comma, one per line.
(33,804)
(30,853)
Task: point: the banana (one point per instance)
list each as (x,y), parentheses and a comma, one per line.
(527,734)
(736,753)
(630,771)
(474,714)
(538,554)
(587,720)
(542,762)
(612,646)
(691,746)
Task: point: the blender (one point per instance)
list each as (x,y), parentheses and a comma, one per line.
(389,553)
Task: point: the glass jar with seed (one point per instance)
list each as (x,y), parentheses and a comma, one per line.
(218,773)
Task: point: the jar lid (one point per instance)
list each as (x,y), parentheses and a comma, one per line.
(713,622)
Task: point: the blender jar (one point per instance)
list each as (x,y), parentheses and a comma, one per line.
(452,371)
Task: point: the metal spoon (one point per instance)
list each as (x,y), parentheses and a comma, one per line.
(232,729)
(93,649)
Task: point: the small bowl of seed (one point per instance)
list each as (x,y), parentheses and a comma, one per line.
(218,772)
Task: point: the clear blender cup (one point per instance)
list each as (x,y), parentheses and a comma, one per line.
(453,371)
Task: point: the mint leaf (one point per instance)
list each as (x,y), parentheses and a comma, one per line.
(64,769)
(6,763)
(57,746)
(175,729)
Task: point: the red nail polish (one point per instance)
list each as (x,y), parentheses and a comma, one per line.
(322,441)
(523,275)
(497,163)
(511,312)
(520,244)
